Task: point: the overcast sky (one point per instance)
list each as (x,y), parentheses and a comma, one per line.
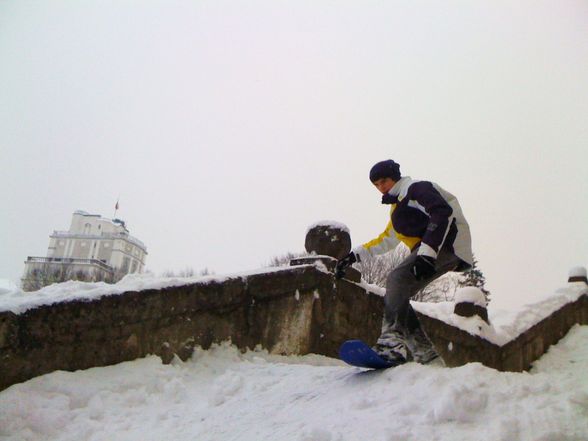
(228,127)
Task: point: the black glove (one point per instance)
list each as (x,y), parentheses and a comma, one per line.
(389,199)
(423,267)
(343,264)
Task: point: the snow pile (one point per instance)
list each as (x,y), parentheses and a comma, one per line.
(470,294)
(510,324)
(223,395)
(7,287)
(474,325)
(577,271)
(329,223)
(18,301)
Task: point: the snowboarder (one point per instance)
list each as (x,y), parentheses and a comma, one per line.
(429,220)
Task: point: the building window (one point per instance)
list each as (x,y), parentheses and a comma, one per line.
(125,265)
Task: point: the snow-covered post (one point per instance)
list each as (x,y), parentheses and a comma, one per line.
(328,241)
(578,274)
(470,301)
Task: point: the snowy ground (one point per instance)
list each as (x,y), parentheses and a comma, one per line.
(223,395)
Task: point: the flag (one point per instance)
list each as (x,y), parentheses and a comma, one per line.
(116,206)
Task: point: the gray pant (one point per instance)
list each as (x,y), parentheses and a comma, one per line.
(400,321)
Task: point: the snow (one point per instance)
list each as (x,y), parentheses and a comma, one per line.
(577,271)
(375,289)
(329,223)
(7,287)
(505,325)
(320,265)
(510,324)
(222,394)
(443,311)
(470,294)
(18,301)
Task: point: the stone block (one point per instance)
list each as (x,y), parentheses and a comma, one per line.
(8,330)
(330,239)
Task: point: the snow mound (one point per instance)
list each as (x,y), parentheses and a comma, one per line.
(470,294)
(222,394)
(7,287)
(329,223)
(505,325)
(577,271)
(18,301)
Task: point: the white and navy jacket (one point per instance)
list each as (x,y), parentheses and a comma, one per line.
(423,215)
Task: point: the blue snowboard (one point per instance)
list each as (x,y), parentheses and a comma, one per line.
(357,353)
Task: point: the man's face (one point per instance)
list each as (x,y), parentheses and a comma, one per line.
(384,185)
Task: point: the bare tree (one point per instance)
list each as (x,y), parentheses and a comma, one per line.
(49,273)
(188,272)
(375,270)
(284,259)
(440,290)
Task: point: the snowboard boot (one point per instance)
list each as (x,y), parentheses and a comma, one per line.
(392,354)
(420,347)
(392,347)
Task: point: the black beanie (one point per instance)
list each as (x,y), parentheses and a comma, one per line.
(385,169)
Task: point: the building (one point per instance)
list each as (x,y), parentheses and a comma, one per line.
(94,248)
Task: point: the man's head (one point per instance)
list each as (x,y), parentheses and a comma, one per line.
(384,175)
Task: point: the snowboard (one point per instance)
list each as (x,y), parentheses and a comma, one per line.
(357,353)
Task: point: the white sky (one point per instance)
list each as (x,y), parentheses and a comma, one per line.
(228,127)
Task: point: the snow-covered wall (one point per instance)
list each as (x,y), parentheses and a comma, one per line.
(511,341)
(292,310)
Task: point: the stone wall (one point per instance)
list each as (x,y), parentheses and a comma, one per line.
(458,347)
(295,310)
(298,310)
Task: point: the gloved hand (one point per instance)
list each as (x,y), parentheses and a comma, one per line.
(345,263)
(423,268)
(389,199)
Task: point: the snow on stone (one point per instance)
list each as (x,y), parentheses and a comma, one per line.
(320,265)
(470,294)
(510,324)
(577,271)
(329,223)
(505,325)
(221,395)
(18,301)
(474,325)
(375,289)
